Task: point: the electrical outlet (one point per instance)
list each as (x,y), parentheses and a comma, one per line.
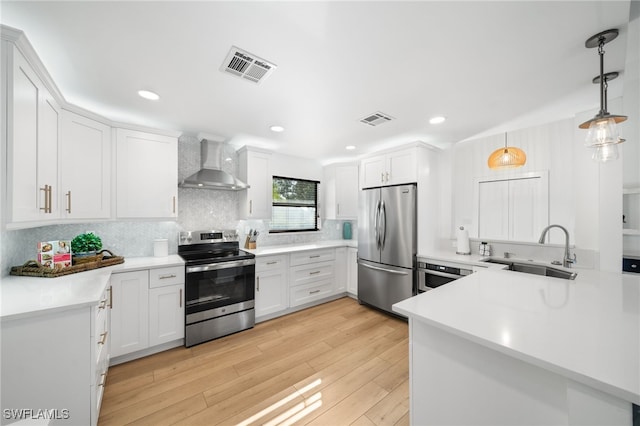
(337,226)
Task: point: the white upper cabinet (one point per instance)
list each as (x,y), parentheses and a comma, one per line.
(255,170)
(512,209)
(340,188)
(31,123)
(85,168)
(146,175)
(393,168)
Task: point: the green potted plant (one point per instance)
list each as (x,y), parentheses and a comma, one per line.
(85,246)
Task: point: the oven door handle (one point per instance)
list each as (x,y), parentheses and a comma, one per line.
(221,265)
(440,274)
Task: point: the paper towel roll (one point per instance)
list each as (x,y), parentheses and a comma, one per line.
(463,241)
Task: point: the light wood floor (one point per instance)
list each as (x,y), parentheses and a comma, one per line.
(335,364)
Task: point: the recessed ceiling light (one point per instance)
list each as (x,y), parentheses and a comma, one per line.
(350,147)
(277,129)
(437,120)
(148,95)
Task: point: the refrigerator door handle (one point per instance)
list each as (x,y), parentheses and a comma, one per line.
(384,269)
(376,224)
(383,224)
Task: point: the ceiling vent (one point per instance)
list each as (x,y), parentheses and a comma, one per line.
(376,119)
(247,65)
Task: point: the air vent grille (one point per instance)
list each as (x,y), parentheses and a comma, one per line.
(376,119)
(246,65)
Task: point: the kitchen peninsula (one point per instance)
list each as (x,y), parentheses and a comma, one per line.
(503,347)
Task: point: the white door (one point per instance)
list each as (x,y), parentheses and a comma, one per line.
(129,312)
(373,172)
(346,187)
(271,292)
(85,185)
(147,175)
(166,314)
(493,210)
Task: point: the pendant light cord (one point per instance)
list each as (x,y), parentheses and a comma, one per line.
(603,82)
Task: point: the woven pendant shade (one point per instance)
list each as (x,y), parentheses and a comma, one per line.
(508,157)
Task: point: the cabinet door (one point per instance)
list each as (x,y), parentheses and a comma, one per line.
(341,270)
(32,145)
(352,271)
(493,210)
(166,314)
(271,291)
(402,167)
(129,312)
(255,170)
(373,172)
(147,175)
(346,192)
(86,184)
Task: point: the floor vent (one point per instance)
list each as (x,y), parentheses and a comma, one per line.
(376,119)
(246,65)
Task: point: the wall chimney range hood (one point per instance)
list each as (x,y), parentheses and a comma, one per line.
(211,175)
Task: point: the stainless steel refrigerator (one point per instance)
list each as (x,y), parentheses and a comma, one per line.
(387,245)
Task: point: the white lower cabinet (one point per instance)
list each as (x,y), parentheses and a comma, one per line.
(57,363)
(271,285)
(341,270)
(166,305)
(129,312)
(352,271)
(148,309)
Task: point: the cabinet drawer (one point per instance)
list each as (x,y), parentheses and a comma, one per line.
(270,263)
(310,292)
(166,276)
(306,274)
(305,257)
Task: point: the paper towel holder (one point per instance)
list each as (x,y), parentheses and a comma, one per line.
(462,242)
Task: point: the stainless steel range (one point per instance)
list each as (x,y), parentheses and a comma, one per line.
(219,285)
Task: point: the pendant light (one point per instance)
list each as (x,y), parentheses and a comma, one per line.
(603,130)
(508,157)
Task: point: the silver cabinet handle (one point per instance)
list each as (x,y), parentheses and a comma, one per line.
(180,305)
(314,292)
(103,379)
(382,177)
(314,256)
(165,277)
(68,195)
(103,304)
(271,263)
(314,273)
(47,198)
(250,206)
(258,282)
(111,296)
(174,204)
(387,179)
(103,338)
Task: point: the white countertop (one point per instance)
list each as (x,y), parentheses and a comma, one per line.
(24,297)
(587,330)
(289,248)
(451,256)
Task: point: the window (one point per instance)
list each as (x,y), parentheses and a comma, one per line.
(295,205)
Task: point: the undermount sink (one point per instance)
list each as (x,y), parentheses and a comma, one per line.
(534,268)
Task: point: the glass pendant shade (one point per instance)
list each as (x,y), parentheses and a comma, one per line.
(507,158)
(604,153)
(602,131)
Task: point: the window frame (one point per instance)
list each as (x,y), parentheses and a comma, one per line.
(294,205)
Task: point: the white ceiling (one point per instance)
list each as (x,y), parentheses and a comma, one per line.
(486,66)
